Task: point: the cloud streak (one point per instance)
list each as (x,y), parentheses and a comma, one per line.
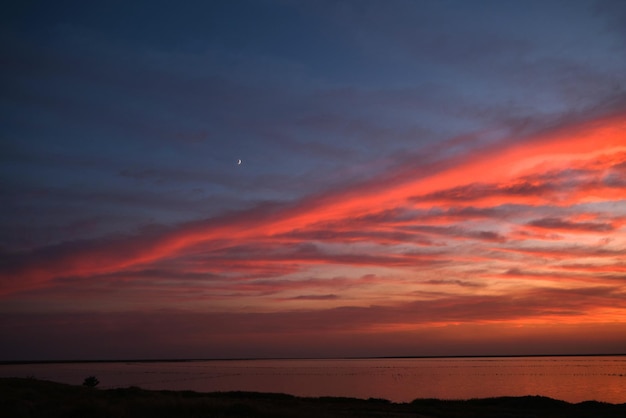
(418,239)
(407,169)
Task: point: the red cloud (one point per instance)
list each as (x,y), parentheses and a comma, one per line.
(454,238)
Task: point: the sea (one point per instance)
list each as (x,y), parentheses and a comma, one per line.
(569,378)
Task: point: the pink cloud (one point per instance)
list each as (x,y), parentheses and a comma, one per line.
(369,256)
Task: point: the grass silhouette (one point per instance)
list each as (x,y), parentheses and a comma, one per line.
(32,398)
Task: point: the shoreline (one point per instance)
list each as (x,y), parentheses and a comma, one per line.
(33,398)
(183,360)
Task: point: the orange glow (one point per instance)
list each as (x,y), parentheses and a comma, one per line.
(527,233)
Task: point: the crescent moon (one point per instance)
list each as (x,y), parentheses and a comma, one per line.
(238,162)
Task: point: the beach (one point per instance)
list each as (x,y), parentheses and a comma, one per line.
(29,397)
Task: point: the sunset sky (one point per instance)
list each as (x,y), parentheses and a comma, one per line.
(294,178)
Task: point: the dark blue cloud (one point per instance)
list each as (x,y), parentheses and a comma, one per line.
(121,125)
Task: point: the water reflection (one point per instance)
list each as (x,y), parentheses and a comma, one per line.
(573,379)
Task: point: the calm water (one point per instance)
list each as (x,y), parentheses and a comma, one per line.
(573,379)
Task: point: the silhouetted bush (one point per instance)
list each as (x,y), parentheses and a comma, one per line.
(91,382)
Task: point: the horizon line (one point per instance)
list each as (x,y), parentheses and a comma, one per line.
(183,360)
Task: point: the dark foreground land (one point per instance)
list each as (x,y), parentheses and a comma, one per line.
(36,398)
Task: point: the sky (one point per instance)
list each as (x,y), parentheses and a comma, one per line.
(329,178)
